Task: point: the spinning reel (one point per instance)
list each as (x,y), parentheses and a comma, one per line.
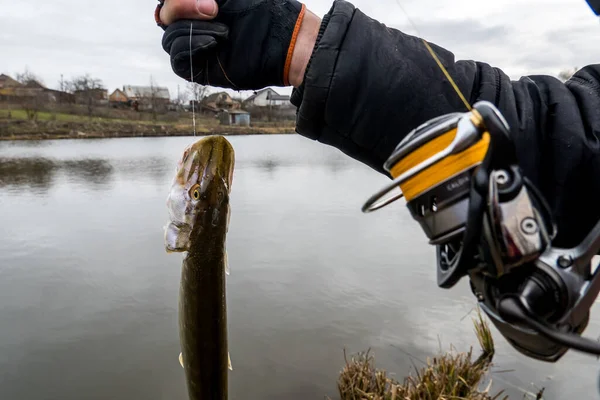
(460,177)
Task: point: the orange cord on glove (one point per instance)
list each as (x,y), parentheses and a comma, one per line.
(290,53)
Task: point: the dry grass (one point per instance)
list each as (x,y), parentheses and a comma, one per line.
(447,377)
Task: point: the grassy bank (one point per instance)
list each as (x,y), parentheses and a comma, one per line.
(14,125)
(453,375)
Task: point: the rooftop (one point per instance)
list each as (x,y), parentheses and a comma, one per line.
(146,91)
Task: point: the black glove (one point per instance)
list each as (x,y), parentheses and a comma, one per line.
(244,48)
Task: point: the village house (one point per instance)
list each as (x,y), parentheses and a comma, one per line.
(147,97)
(8,82)
(97,96)
(267,98)
(218,102)
(12,90)
(118,99)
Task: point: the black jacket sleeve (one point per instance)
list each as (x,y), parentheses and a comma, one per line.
(367,86)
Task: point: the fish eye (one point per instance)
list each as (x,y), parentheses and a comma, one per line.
(195,192)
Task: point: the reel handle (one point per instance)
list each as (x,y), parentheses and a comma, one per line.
(374,203)
(512,310)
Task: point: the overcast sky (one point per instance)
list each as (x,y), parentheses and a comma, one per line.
(118,41)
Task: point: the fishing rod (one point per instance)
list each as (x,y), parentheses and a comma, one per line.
(462,183)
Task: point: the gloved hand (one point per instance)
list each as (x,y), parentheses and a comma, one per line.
(248,46)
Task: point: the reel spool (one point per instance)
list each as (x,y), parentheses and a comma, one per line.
(460,176)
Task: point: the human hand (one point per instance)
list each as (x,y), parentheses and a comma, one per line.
(250,44)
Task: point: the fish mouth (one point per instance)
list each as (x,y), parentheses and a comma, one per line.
(177,237)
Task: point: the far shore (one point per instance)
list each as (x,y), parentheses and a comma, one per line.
(53,126)
(100,132)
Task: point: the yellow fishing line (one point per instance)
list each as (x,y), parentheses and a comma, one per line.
(439,63)
(454,85)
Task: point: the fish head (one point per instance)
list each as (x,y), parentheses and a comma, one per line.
(199,195)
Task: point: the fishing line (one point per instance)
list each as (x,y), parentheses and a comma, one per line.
(435,57)
(192,82)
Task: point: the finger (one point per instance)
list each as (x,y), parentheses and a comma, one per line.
(181,29)
(188,9)
(180,54)
(206,8)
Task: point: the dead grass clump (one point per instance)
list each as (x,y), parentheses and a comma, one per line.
(447,377)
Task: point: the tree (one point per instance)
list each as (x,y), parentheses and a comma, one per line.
(153,98)
(566,74)
(197,93)
(30,98)
(63,87)
(27,77)
(87,90)
(150,98)
(182,97)
(31,105)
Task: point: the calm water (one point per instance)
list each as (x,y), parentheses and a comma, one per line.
(88,295)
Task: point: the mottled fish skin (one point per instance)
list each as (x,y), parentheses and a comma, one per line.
(199,213)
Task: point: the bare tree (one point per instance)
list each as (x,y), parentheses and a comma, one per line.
(153,98)
(182,97)
(88,91)
(27,77)
(197,93)
(566,74)
(63,87)
(31,105)
(30,97)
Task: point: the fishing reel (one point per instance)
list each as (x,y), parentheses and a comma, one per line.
(462,183)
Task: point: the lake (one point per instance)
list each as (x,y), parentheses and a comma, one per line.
(88,295)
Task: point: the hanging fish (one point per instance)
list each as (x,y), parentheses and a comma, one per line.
(199,212)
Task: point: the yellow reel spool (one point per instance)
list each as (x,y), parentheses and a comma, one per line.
(442,170)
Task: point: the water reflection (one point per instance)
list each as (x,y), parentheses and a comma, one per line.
(25,143)
(40,173)
(153,168)
(269,166)
(96,174)
(27,173)
(64,370)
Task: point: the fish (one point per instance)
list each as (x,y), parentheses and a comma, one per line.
(199,216)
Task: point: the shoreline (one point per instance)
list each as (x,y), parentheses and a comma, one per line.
(124,135)
(54,130)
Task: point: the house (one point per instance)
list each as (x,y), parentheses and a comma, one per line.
(147,97)
(8,82)
(267,98)
(235,117)
(61,97)
(12,90)
(96,96)
(217,102)
(118,99)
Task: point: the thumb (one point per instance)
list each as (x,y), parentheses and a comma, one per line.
(188,9)
(206,8)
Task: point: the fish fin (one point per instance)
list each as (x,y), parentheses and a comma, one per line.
(227,270)
(181,360)
(229,358)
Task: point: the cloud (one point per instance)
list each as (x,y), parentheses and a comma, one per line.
(118,41)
